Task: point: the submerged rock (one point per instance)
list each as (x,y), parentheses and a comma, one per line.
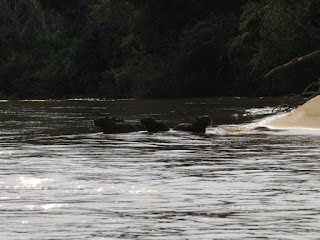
(198,126)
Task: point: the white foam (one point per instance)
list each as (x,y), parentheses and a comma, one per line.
(258,111)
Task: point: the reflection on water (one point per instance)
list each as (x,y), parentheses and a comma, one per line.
(63,179)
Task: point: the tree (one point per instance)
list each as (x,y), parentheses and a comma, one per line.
(272,33)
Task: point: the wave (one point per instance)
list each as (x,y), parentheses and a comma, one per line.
(259,126)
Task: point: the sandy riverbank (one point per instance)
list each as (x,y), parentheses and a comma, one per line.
(306,116)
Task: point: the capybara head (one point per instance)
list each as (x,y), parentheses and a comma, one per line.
(204,120)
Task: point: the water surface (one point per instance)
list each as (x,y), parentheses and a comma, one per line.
(61,178)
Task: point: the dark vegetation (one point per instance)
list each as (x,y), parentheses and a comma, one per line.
(152,48)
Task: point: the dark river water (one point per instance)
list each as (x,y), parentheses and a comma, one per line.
(61,178)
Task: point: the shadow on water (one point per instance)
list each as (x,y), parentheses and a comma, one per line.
(61,174)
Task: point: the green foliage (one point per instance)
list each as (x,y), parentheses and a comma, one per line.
(285,33)
(204,61)
(273,33)
(149,48)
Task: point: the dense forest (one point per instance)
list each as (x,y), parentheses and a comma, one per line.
(151,48)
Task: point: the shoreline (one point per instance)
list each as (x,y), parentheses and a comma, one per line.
(306,116)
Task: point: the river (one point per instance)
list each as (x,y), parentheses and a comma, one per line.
(61,178)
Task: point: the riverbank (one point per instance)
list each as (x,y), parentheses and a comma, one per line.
(306,116)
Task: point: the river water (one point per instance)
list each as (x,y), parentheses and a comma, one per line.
(61,178)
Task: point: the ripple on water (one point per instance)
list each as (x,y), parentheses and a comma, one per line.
(61,179)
